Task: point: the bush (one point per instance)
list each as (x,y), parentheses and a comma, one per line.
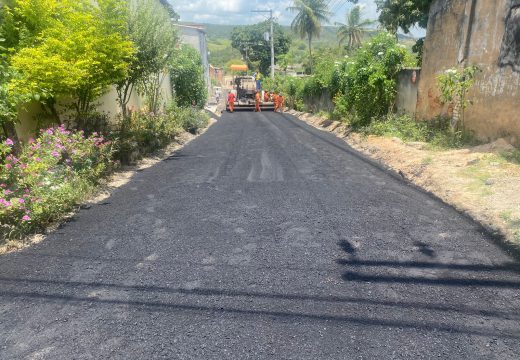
(48,177)
(369,80)
(144,132)
(188,118)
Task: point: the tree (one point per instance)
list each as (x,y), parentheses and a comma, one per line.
(253,46)
(307,23)
(68,48)
(353,30)
(403,14)
(187,77)
(173,14)
(150,29)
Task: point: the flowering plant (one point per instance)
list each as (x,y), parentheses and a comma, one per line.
(47,177)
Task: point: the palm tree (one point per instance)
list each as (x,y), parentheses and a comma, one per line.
(310,15)
(354,29)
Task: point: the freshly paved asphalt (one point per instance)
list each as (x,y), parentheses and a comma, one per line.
(262,239)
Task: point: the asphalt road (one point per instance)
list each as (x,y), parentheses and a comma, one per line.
(262,239)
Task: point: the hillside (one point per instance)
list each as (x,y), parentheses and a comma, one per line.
(221,52)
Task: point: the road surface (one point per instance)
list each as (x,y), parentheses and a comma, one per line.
(263,239)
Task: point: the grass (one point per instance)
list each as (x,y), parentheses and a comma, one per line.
(427,160)
(513,223)
(512,156)
(436,133)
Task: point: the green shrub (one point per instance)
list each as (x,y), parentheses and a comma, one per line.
(368,82)
(144,132)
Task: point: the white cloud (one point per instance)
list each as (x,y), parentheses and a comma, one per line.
(236,12)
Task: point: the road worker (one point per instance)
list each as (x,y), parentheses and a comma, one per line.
(281,101)
(257,101)
(266,96)
(275,100)
(231,101)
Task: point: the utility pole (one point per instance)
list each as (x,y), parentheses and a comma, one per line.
(271,20)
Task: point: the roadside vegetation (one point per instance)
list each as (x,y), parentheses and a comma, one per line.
(60,56)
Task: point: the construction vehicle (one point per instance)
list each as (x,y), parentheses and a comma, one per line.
(245,88)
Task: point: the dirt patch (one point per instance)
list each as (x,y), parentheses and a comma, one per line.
(104,190)
(476,180)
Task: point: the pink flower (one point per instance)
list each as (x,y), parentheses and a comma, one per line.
(31,140)
(9,142)
(8,192)
(50,132)
(55,154)
(21,201)
(38,159)
(26,218)
(8,166)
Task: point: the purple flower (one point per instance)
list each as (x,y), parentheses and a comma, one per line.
(26,218)
(9,142)
(55,154)
(38,159)
(21,201)
(50,132)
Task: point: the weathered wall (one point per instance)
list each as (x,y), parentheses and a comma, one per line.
(407,87)
(473,32)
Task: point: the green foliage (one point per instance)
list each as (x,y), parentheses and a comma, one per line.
(454,85)
(368,82)
(150,29)
(250,42)
(68,47)
(47,178)
(143,132)
(395,14)
(310,15)
(436,133)
(187,78)
(8,109)
(352,32)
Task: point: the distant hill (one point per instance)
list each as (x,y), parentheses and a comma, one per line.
(219,42)
(328,34)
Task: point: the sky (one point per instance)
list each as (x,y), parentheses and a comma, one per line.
(238,12)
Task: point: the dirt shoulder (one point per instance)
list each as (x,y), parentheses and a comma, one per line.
(476,180)
(104,190)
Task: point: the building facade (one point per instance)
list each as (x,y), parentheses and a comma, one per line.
(195,36)
(484,33)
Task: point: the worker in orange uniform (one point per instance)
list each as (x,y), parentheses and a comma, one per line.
(275,100)
(281,101)
(257,101)
(231,101)
(266,96)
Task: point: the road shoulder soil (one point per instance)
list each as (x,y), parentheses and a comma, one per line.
(477,181)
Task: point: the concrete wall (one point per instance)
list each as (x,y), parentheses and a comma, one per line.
(472,32)
(407,87)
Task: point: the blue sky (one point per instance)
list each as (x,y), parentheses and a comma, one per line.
(234,12)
